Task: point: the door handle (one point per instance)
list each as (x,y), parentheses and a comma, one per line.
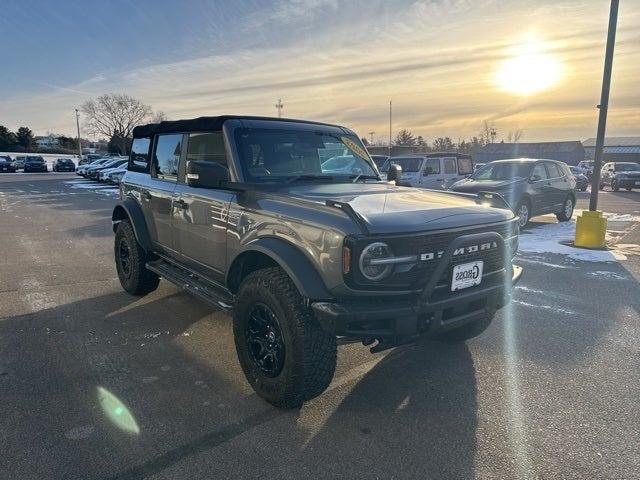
(146,195)
(181,204)
(439,179)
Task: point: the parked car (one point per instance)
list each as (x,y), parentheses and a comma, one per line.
(586,167)
(102,173)
(35,164)
(82,170)
(619,175)
(93,172)
(6,165)
(18,163)
(89,158)
(63,165)
(115,176)
(237,211)
(379,160)
(432,170)
(582,182)
(530,186)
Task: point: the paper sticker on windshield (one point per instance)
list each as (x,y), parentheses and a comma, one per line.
(354,147)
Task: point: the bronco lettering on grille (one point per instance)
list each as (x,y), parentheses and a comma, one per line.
(460,251)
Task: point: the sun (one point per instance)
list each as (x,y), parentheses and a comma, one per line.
(529,70)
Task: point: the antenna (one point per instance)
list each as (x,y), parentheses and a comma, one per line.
(279,107)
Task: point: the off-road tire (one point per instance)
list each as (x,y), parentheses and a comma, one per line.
(465,332)
(614,185)
(601,186)
(563,215)
(310,352)
(136,280)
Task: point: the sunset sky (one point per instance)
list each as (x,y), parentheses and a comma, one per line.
(447,65)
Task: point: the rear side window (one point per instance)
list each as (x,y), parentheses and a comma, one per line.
(432,166)
(139,159)
(207,146)
(449,165)
(465,166)
(166,156)
(554,171)
(540,171)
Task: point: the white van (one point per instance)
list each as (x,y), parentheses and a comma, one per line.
(432,170)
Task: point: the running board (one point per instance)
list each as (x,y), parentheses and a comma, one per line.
(197,286)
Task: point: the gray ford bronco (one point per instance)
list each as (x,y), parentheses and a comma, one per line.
(288,224)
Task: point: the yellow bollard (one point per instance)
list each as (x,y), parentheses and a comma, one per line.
(591,228)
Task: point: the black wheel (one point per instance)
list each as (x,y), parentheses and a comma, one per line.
(565,214)
(130,262)
(614,185)
(466,332)
(583,189)
(523,210)
(601,186)
(286,356)
(628,189)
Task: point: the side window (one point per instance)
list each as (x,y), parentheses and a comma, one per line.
(432,166)
(465,166)
(139,159)
(207,146)
(449,165)
(540,171)
(554,171)
(166,156)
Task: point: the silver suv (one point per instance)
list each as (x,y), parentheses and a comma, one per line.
(288,224)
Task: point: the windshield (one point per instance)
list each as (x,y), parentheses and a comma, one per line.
(268,155)
(627,167)
(411,164)
(35,159)
(502,171)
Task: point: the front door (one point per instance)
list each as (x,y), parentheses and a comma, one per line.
(431,175)
(542,195)
(200,215)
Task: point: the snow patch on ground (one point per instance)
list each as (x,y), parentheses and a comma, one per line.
(607,274)
(540,306)
(548,238)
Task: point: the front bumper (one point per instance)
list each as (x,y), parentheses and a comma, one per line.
(397,321)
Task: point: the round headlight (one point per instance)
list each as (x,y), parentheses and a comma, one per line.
(375,251)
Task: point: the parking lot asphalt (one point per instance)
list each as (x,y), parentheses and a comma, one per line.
(95,383)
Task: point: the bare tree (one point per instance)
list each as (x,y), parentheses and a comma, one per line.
(514,136)
(488,132)
(115,115)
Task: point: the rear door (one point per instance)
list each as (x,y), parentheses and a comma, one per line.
(157,196)
(558,182)
(541,191)
(450,171)
(200,215)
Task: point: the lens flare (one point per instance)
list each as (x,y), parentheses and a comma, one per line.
(117,412)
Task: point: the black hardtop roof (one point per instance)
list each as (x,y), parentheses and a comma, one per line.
(525,160)
(433,154)
(201,124)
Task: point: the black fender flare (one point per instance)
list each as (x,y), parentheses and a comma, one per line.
(129,208)
(294,262)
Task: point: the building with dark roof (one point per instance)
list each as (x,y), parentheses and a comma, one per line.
(616,149)
(569,152)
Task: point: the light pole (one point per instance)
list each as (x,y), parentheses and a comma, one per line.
(371,135)
(78,126)
(390,113)
(591,226)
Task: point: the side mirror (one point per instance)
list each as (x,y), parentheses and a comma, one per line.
(534,178)
(206,174)
(394,173)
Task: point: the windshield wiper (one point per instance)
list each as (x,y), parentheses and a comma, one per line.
(364,177)
(308,177)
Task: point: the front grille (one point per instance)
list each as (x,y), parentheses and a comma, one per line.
(417,275)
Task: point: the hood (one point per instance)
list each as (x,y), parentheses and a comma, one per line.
(469,185)
(386,208)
